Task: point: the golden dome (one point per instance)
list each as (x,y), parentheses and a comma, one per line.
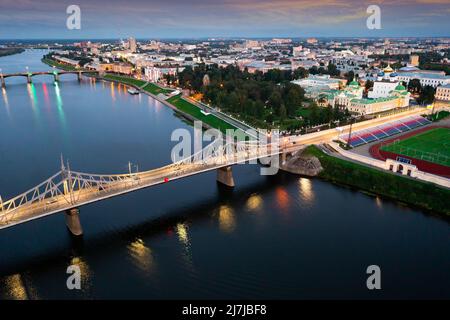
(388,69)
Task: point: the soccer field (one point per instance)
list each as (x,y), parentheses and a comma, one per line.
(432,145)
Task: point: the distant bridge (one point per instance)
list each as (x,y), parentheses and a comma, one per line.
(55,73)
(67,190)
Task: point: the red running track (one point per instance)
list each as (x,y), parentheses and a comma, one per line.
(422,165)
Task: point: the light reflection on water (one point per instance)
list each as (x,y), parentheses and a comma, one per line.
(59,105)
(282,197)
(212,236)
(255,203)
(17,288)
(142,256)
(5,100)
(306,191)
(227,221)
(85,273)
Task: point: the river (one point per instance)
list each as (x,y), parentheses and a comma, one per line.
(271,237)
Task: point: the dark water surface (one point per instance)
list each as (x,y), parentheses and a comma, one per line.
(271,237)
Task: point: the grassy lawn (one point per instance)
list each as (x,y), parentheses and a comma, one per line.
(150,87)
(61,66)
(432,145)
(154,89)
(125,80)
(180,103)
(417,193)
(195,111)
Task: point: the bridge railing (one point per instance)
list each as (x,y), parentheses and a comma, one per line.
(45,190)
(68,186)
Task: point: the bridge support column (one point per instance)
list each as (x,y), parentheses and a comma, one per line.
(73,221)
(29,79)
(56,76)
(3,81)
(225,176)
(283,157)
(79,76)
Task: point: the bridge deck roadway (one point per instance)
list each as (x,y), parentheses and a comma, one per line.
(85,196)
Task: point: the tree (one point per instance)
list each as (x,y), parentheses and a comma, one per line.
(313,70)
(397,65)
(350,76)
(282,112)
(427,95)
(275,101)
(315,114)
(333,70)
(293,101)
(300,73)
(414,86)
(368,85)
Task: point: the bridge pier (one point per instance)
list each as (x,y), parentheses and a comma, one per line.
(73,221)
(56,76)
(283,157)
(29,78)
(79,75)
(225,176)
(3,81)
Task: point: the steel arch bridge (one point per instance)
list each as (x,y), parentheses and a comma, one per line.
(68,190)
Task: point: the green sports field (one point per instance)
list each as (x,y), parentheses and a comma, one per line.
(432,145)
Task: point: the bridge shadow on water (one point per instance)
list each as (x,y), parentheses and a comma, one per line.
(105,242)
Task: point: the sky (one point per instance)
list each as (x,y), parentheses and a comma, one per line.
(155,19)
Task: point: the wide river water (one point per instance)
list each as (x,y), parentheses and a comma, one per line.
(280,236)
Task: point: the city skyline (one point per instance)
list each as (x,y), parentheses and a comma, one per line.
(24,19)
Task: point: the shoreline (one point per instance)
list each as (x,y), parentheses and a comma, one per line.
(10,52)
(324,175)
(166,103)
(412,193)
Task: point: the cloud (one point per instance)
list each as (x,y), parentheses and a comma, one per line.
(204,17)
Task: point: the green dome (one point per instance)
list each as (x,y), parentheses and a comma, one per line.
(400,87)
(354,83)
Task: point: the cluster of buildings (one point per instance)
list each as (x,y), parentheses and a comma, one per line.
(153,60)
(387,93)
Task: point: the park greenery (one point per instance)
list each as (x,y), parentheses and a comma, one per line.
(58,65)
(184,106)
(146,86)
(195,112)
(331,69)
(265,100)
(10,51)
(392,186)
(425,94)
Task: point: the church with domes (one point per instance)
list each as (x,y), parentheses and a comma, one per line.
(387,81)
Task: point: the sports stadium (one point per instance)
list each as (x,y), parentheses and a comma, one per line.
(413,140)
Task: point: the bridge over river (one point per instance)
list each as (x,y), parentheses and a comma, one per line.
(55,73)
(68,190)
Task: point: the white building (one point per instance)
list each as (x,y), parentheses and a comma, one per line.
(322,81)
(426,78)
(351,99)
(297,51)
(386,82)
(153,74)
